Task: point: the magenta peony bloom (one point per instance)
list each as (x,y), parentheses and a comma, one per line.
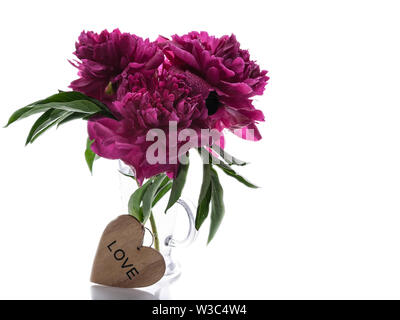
(111,59)
(169,98)
(230,77)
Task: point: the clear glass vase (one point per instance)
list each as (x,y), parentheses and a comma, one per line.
(173,229)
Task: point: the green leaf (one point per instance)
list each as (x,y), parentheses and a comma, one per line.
(67,101)
(203,208)
(229,159)
(90,156)
(42,121)
(54,118)
(73,116)
(161,192)
(68,96)
(83,106)
(18,115)
(177,185)
(218,208)
(135,201)
(150,194)
(204,197)
(63,96)
(226,168)
(164,182)
(206,180)
(45,122)
(29,110)
(230,172)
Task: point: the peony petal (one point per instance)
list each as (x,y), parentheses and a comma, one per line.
(185,56)
(155,61)
(240,88)
(213,75)
(238,65)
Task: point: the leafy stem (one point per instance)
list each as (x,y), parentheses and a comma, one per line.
(145,198)
(155,233)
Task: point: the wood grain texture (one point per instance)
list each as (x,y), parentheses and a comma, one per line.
(122,261)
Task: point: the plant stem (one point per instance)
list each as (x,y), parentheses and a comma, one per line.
(154,230)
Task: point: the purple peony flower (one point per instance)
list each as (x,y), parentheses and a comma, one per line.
(225,75)
(168,98)
(112,61)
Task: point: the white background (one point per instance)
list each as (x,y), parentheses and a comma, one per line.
(325,223)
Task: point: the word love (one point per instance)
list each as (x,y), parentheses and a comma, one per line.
(119,255)
(122,260)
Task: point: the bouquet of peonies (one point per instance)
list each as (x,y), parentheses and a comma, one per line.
(148,103)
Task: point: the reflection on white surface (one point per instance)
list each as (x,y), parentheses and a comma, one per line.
(158,291)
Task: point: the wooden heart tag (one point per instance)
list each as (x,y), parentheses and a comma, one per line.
(122,261)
